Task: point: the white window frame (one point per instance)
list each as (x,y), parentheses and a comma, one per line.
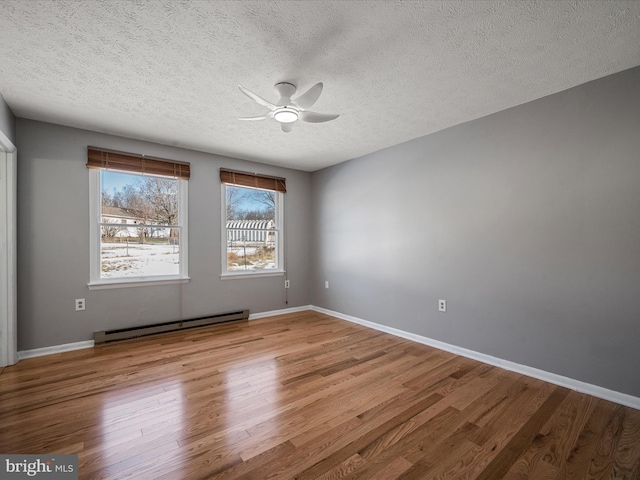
(95,218)
(279,227)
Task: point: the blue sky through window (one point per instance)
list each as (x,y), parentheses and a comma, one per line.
(250,199)
(114,181)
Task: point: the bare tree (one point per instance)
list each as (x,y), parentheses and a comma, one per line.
(234,196)
(107,200)
(131,202)
(110,231)
(116,200)
(160,199)
(250,204)
(267,198)
(254,215)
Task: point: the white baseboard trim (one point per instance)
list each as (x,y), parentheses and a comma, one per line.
(273,313)
(67,347)
(577,385)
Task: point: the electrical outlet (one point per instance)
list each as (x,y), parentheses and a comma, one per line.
(286,284)
(442,305)
(80,304)
(326,284)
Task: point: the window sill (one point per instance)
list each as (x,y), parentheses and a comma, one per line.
(250,274)
(136,282)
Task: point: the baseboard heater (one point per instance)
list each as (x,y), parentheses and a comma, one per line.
(133,332)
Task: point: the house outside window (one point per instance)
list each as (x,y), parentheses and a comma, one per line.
(252,230)
(138,221)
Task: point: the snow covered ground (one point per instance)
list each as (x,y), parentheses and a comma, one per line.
(135,260)
(252,262)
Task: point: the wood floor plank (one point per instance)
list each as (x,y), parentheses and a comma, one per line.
(627,457)
(394,470)
(519,442)
(306,396)
(561,440)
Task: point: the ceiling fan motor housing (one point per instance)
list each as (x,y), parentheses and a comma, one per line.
(286,90)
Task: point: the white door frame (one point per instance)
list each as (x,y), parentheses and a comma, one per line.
(8,253)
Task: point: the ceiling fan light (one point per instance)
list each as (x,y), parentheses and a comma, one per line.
(285,115)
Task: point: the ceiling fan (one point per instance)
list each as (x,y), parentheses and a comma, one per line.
(287,111)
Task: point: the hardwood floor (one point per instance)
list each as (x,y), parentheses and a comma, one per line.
(306,396)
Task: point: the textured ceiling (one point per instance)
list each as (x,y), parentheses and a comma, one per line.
(167,71)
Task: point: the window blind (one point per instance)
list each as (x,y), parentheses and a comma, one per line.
(246,179)
(131,162)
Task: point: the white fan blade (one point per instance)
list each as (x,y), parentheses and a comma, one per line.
(261,117)
(256,98)
(314,117)
(309,97)
(287,127)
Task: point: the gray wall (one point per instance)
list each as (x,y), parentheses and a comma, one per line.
(526,221)
(7,121)
(53,239)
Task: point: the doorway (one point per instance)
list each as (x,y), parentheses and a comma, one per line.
(8,253)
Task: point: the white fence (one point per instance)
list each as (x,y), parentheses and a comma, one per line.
(241,232)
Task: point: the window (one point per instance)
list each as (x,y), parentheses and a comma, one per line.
(252,230)
(138,219)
